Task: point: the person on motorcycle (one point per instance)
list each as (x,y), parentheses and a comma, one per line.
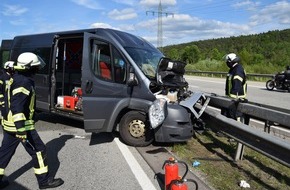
(287,74)
(280,81)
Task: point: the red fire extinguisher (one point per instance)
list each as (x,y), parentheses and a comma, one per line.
(171,171)
(180,184)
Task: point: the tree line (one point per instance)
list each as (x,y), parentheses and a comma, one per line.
(263,53)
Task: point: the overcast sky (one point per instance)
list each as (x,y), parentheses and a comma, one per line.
(182,20)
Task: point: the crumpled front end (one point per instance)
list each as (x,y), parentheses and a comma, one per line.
(177,126)
(180,111)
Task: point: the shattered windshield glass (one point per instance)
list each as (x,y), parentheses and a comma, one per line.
(147,60)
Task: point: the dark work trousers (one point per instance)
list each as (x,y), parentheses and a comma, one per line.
(34,146)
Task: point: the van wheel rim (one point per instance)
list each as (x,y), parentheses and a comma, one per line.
(137,128)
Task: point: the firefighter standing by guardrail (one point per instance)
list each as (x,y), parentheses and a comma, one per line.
(18,122)
(236,84)
(236,89)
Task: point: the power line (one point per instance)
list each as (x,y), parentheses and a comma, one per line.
(160,13)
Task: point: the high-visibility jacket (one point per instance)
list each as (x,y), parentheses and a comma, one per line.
(236,83)
(20,100)
(4,78)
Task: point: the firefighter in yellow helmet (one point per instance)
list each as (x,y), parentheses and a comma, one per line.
(18,122)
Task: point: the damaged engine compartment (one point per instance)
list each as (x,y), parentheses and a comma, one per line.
(171,85)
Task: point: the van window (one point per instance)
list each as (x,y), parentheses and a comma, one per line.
(107,62)
(119,67)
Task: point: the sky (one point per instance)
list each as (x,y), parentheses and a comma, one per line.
(182,20)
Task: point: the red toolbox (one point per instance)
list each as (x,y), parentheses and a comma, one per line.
(69,102)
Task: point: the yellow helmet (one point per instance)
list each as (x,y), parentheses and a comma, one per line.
(27,60)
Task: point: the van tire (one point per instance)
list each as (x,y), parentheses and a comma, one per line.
(135,129)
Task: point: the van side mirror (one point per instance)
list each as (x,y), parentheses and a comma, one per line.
(132,81)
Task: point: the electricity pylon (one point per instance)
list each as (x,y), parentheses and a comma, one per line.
(160,13)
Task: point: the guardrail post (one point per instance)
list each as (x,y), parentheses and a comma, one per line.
(267,126)
(241,147)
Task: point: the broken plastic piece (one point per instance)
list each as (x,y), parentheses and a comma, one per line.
(195,163)
(244,184)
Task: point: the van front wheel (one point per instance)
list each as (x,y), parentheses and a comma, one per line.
(135,129)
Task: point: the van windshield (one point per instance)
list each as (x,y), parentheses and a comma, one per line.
(147,60)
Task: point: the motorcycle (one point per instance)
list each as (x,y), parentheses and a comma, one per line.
(279,82)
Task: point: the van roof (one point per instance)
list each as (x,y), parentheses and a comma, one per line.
(46,39)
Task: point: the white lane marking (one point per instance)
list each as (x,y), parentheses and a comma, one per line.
(193,86)
(139,173)
(249,85)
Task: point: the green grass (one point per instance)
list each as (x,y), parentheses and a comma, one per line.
(219,66)
(218,169)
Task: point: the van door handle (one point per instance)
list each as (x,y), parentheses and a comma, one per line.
(89,87)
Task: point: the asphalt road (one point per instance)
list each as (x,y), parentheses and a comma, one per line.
(83,160)
(257,91)
(100,161)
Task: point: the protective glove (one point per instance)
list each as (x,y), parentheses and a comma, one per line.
(21,135)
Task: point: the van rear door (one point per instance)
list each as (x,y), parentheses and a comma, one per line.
(104,88)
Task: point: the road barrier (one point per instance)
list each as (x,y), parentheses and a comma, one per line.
(223,74)
(265,143)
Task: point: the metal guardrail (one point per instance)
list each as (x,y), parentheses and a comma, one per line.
(274,147)
(215,73)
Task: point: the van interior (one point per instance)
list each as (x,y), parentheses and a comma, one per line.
(68,93)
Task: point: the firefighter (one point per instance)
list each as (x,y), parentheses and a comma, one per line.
(5,76)
(236,84)
(235,88)
(19,124)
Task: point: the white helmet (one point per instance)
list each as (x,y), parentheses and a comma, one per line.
(9,64)
(231,59)
(27,60)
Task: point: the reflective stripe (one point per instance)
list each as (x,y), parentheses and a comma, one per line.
(238,77)
(31,105)
(18,117)
(1,82)
(29,122)
(1,171)
(10,126)
(1,96)
(20,89)
(9,123)
(26,128)
(235,96)
(42,168)
(40,159)
(10,129)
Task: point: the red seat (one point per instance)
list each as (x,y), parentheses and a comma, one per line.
(105,70)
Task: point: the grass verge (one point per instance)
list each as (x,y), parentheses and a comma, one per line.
(218,169)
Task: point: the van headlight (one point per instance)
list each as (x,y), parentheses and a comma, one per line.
(157,112)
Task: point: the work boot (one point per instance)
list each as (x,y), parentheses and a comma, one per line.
(4,184)
(51,183)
